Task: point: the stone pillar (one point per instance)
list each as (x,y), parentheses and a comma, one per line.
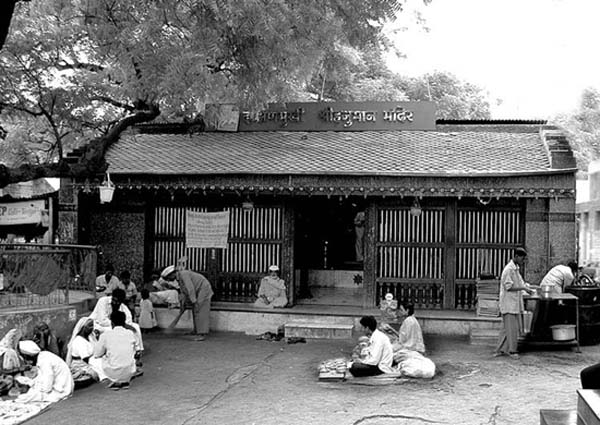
(536,240)
(67,212)
(550,235)
(563,231)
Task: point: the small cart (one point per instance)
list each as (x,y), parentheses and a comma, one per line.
(548,311)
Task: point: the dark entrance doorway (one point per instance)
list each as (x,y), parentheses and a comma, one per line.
(328,250)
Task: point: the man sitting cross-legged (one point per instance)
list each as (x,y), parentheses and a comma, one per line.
(116,347)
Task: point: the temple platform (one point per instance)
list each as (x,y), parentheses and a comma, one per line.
(328,321)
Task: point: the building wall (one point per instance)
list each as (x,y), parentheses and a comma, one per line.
(550,235)
(121,236)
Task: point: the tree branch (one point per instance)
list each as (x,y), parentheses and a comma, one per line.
(91,161)
(82,66)
(114,102)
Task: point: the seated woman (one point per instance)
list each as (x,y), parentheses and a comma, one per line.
(46,340)
(410,335)
(272,291)
(80,351)
(10,359)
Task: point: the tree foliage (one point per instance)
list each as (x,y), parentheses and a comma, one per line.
(583,128)
(78,68)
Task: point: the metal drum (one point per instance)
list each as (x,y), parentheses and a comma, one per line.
(589,313)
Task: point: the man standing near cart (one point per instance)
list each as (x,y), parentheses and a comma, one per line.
(511,304)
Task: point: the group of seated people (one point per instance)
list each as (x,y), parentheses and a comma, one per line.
(104,347)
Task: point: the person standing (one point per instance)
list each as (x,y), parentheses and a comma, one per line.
(511,304)
(560,276)
(196,291)
(379,354)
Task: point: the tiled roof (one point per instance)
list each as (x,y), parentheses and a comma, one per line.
(392,153)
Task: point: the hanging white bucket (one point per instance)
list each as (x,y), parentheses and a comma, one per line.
(107,189)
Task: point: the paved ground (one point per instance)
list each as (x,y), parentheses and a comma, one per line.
(235,379)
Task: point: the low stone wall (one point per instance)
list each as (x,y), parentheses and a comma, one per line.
(61,320)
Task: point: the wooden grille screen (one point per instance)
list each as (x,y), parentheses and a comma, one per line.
(485,240)
(255,239)
(410,247)
(169,239)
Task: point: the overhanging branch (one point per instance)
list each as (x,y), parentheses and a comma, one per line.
(91,161)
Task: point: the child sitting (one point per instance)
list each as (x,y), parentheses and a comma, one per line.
(147,319)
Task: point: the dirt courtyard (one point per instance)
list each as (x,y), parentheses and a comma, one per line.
(233,378)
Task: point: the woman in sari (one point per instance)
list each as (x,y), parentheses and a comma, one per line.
(411,336)
(10,359)
(80,352)
(272,291)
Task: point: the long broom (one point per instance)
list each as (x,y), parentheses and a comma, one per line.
(171,327)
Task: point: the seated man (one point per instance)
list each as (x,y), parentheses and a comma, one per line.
(53,381)
(164,292)
(107,279)
(126,285)
(379,355)
(272,291)
(117,348)
(104,308)
(560,276)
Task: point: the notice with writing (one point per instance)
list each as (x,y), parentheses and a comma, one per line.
(206,230)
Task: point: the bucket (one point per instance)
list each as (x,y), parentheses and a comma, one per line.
(563,332)
(545,291)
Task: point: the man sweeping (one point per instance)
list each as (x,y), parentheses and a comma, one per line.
(196,292)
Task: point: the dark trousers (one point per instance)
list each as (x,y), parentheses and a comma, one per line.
(590,377)
(361,369)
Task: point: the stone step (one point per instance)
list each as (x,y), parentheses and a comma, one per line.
(559,417)
(588,406)
(318,330)
(483,336)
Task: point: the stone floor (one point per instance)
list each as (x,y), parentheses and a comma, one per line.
(233,378)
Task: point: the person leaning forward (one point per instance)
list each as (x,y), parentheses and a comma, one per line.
(195,290)
(511,304)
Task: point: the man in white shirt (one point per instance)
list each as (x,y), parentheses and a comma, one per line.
(106,280)
(380,353)
(512,286)
(560,276)
(53,381)
(104,308)
(116,347)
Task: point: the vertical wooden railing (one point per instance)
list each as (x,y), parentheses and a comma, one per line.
(485,241)
(410,256)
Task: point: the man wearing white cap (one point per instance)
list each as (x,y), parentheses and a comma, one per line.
(195,290)
(53,381)
(272,291)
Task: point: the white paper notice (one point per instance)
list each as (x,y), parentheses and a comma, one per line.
(206,230)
